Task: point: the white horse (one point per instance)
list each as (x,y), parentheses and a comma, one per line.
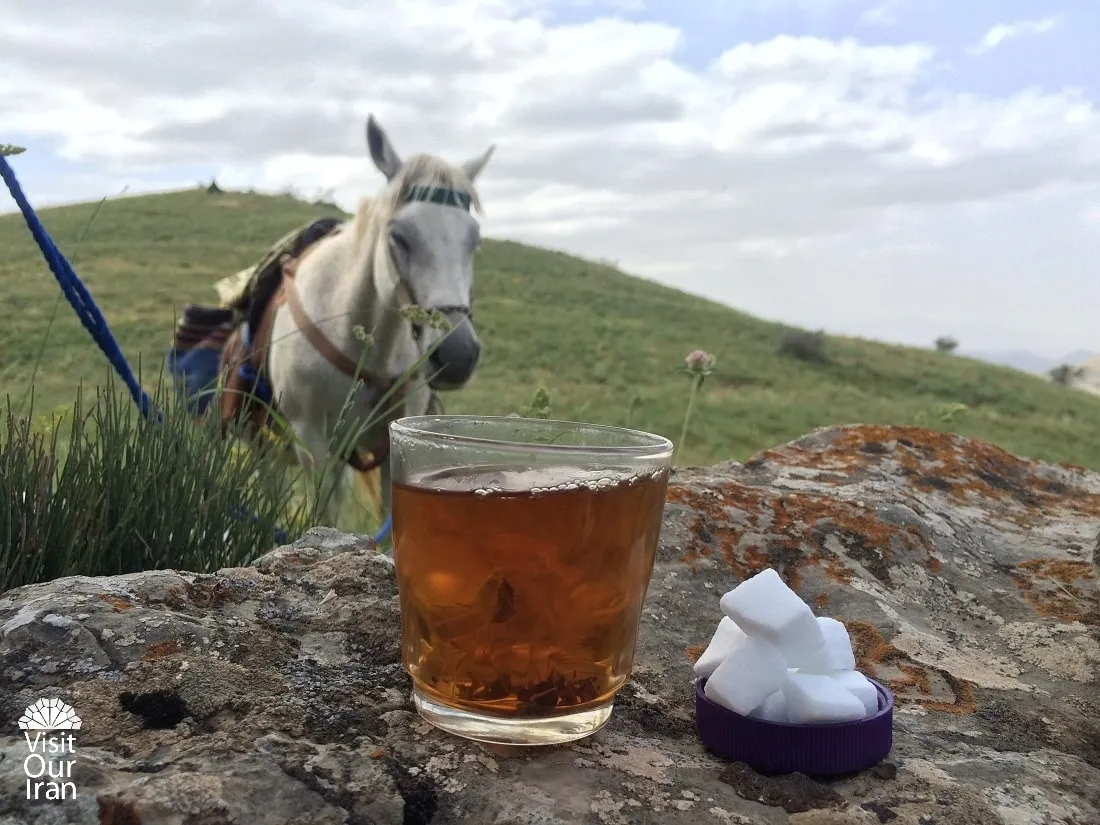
(412,244)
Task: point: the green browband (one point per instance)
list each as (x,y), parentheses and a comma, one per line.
(436,194)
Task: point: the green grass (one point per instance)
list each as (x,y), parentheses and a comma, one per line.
(606,346)
(126,494)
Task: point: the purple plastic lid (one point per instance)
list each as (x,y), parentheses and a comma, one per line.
(777,748)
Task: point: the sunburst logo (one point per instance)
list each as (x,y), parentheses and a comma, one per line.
(49,714)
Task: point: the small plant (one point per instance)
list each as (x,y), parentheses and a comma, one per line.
(418,316)
(539,406)
(698,364)
(804,345)
(946,344)
(943,413)
(1066,374)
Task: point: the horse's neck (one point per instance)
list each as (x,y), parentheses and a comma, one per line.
(347,290)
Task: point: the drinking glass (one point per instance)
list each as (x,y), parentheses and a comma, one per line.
(524,549)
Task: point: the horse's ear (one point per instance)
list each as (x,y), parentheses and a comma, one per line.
(381,150)
(473,167)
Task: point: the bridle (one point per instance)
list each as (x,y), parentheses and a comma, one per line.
(445,197)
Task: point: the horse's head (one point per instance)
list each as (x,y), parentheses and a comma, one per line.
(432,237)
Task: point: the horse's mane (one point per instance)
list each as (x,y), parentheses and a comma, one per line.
(374,213)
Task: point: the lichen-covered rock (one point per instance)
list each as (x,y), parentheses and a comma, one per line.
(275,693)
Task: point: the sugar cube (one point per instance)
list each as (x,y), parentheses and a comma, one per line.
(860,686)
(752,670)
(813,698)
(773,709)
(720,644)
(764,606)
(835,655)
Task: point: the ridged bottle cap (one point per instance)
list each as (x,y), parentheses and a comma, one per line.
(778,748)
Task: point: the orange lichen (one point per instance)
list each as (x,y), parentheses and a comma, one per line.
(751,561)
(914,677)
(158,650)
(868,645)
(694,652)
(694,554)
(711,507)
(838,571)
(764,456)
(1064,570)
(211,593)
(964,703)
(117,604)
(1050,587)
(821,601)
(872,651)
(796,526)
(958,467)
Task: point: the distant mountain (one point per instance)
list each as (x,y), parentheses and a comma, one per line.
(1079,356)
(1029,361)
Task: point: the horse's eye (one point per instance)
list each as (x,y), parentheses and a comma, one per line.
(400,242)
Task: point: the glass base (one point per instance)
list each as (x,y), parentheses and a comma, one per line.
(554,730)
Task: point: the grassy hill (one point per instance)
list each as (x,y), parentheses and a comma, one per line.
(604,344)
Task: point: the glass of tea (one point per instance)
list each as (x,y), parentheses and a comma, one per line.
(524,549)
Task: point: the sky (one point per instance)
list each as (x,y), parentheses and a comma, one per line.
(890,169)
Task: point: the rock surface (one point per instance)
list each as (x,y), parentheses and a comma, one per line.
(275,694)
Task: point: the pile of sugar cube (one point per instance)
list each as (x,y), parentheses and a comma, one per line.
(772,659)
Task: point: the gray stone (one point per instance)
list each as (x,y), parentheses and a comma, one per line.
(275,693)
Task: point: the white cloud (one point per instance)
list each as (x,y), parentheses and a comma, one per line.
(794,177)
(883,14)
(1003,32)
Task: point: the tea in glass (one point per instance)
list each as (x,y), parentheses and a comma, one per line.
(524,549)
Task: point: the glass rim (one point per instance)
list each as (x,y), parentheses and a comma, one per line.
(657,444)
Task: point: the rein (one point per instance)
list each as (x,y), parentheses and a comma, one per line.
(331,353)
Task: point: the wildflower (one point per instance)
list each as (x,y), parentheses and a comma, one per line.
(413,314)
(361,334)
(419,316)
(699,362)
(437,320)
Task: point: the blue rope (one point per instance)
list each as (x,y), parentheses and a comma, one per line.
(387,525)
(92,319)
(71,285)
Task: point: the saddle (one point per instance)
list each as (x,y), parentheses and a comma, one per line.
(245,395)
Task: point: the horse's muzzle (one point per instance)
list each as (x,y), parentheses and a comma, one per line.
(453,362)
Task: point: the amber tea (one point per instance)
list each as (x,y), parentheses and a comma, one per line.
(521,591)
(524,549)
